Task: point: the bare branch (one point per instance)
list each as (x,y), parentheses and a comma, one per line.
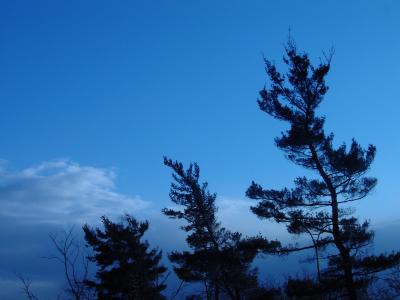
(26,287)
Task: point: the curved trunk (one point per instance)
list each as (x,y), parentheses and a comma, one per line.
(343,251)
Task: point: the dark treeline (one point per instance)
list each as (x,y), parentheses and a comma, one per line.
(221,261)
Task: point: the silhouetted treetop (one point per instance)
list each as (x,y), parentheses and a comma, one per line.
(198,205)
(128,268)
(219,258)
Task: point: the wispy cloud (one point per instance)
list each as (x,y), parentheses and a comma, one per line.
(62,191)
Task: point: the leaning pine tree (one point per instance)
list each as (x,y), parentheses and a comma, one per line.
(318,206)
(218,258)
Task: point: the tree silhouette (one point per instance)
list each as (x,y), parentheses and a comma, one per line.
(128,269)
(69,253)
(318,206)
(219,259)
(74,260)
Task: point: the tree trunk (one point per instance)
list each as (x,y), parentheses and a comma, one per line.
(343,251)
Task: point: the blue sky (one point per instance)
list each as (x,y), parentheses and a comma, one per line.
(94,93)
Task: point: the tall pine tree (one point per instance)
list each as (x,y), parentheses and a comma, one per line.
(318,205)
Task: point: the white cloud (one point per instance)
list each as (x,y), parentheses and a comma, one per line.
(62,191)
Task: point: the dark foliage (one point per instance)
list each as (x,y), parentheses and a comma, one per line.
(393,281)
(218,258)
(316,206)
(310,289)
(128,269)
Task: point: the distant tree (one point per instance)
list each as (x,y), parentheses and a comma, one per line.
(318,205)
(128,269)
(218,258)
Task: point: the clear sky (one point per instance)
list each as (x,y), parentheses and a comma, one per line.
(94,93)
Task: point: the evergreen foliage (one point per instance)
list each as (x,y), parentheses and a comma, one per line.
(218,258)
(127,268)
(318,206)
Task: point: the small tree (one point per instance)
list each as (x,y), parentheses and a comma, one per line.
(128,269)
(75,263)
(71,255)
(317,206)
(219,259)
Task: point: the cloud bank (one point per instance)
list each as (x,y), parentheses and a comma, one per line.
(62,192)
